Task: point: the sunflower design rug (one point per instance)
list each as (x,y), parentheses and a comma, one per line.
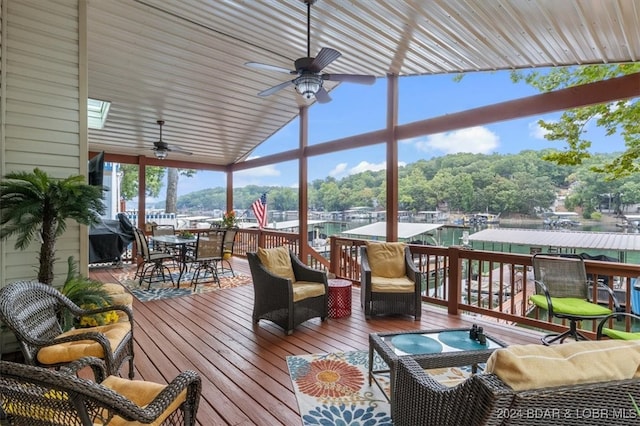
(333,388)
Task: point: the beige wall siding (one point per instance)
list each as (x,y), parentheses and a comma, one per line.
(41,108)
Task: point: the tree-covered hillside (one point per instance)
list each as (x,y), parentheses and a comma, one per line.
(516,183)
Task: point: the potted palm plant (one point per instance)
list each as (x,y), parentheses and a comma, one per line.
(36,205)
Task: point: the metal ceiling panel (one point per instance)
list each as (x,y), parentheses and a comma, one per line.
(182,61)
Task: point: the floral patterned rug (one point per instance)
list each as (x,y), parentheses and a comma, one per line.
(333,389)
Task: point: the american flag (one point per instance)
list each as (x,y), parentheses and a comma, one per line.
(259,207)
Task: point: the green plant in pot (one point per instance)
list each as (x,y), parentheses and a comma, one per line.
(87,294)
(35,204)
(229,219)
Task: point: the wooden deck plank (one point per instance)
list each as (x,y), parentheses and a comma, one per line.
(243,366)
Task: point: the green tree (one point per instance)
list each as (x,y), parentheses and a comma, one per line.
(615,117)
(173,175)
(34,203)
(129,184)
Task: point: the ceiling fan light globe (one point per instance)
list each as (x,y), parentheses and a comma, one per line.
(308,85)
(161,154)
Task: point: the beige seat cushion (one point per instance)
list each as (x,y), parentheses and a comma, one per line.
(305,289)
(535,366)
(392,285)
(277,261)
(386,259)
(141,393)
(67,352)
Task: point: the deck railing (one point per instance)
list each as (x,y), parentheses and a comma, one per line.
(494,285)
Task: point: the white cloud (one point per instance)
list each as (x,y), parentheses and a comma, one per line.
(535,131)
(338,170)
(364,166)
(475,140)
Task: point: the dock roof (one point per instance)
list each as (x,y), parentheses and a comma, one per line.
(568,239)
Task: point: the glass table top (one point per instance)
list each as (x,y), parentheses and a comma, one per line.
(437,342)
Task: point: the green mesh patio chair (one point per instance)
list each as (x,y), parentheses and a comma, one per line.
(613,333)
(562,289)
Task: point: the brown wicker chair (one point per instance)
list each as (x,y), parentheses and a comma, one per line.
(32,395)
(484,399)
(32,311)
(390,301)
(274,295)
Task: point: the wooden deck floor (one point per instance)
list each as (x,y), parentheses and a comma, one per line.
(243,366)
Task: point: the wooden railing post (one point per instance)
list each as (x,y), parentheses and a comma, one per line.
(455,280)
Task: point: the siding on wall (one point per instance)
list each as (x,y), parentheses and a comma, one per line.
(41,110)
(40,116)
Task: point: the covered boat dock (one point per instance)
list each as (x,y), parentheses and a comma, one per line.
(624,247)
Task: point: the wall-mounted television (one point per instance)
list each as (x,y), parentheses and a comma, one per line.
(96,169)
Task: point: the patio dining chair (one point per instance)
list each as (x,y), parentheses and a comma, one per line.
(162,230)
(563,290)
(229,242)
(152,268)
(207,254)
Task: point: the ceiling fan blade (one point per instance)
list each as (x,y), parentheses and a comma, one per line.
(269,67)
(179,150)
(324,58)
(275,88)
(350,78)
(322,96)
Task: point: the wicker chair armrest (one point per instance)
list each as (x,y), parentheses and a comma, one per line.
(89,335)
(365,268)
(189,380)
(97,365)
(417,398)
(412,270)
(268,285)
(306,273)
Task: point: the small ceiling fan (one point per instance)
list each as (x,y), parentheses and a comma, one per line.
(309,78)
(162,149)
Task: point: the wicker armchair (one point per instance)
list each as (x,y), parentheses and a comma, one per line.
(31,310)
(383,295)
(32,395)
(283,301)
(484,399)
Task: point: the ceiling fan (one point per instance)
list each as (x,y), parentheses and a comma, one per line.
(162,149)
(309,78)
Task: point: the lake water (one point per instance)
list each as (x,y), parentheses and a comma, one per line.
(450,235)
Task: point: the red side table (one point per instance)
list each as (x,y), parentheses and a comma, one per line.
(339,298)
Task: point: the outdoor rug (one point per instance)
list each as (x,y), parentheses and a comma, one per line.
(333,389)
(166,290)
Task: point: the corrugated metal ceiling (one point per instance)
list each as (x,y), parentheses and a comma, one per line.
(182,60)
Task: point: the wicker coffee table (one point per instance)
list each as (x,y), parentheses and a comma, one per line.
(431,349)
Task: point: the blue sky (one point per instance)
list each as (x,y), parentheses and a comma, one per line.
(356,109)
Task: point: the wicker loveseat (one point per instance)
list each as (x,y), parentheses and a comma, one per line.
(487,399)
